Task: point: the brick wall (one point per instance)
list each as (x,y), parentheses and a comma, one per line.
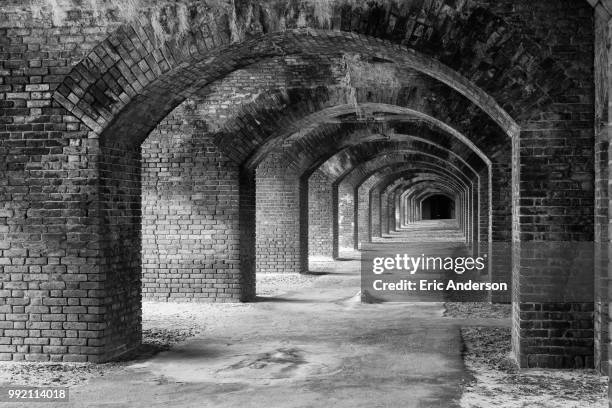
(384,213)
(364,216)
(279,235)
(320,231)
(71,128)
(375,212)
(555,194)
(53,261)
(602,146)
(346,218)
(190,213)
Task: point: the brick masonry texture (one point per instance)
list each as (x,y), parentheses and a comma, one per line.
(602,196)
(190,223)
(278,218)
(320,207)
(169,150)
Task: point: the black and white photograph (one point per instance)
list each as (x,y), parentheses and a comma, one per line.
(305,203)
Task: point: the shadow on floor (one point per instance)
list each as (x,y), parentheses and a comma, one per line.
(279,299)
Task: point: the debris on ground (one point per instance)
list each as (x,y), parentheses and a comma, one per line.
(274,284)
(162,328)
(499,383)
(477,310)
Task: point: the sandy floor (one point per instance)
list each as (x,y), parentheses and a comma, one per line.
(498,383)
(309,341)
(489,378)
(478,310)
(317,347)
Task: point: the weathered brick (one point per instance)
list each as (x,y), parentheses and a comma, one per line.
(72,190)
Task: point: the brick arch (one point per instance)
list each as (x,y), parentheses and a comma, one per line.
(465,214)
(425,192)
(351,156)
(344,233)
(481,180)
(463,35)
(108,113)
(452,195)
(405,188)
(473,190)
(389,175)
(401,183)
(431,191)
(432,194)
(384,201)
(98,83)
(360,174)
(319,124)
(335,148)
(269,113)
(422,192)
(401,186)
(121,120)
(99,87)
(290,237)
(474,219)
(343,162)
(363,183)
(385,167)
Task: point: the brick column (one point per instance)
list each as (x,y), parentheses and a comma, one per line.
(375,212)
(364,208)
(279,236)
(603,131)
(54,282)
(320,203)
(191,229)
(500,263)
(346,215)
(553,251)
(391,211)
(384,213)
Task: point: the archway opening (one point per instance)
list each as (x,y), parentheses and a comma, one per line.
(256,123)
(438,207)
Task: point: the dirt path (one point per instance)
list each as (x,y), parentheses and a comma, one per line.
(316,346)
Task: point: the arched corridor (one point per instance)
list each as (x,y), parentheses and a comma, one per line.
(185,151)
(437,207)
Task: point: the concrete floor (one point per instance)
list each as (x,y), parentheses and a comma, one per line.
(316,347)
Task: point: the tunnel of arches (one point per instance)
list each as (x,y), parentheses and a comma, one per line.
(437,207)
(223,150)
(366,99)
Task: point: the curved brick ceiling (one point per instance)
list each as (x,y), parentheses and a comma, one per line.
(372,156)
(248,120)
(170,63)
(112,114)
(415,160)
(391,185)
(251,122)
(434,192)
(389,174)
(327,136)
(304,115)
(336,155)
(405,183)
(399,177)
